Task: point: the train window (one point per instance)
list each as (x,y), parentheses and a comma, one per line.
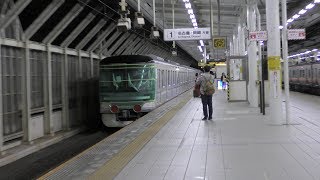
(169,75)
(163,78)
(158,78)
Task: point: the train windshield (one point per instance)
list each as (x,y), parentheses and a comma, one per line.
(127,82)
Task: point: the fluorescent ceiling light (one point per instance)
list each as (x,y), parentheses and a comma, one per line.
(316,1)
(302,11)
(192,16)
(190,11)
(201,42)
(188,5)
(195,24)
(186,1)
(200,48)
(296,16)
(193,20)
(290,20)
(315,49)
(280,27)
(310,6)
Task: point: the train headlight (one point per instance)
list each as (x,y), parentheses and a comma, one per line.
(137,108)
(114,109)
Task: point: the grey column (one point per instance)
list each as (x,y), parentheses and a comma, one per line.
(91,65)
(48,123)
(1,101)
(65,92)
(79,89)
(26,94)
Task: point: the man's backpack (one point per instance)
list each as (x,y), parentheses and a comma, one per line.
(208,87)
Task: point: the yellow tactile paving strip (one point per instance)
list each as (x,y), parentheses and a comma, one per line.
(113,167)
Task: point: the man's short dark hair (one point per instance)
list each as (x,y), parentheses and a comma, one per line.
(207,68)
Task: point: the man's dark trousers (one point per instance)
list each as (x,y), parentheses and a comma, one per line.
(207,102)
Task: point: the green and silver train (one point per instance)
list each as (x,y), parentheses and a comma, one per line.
(133,85)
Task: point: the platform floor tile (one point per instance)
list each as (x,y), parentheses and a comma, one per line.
(238,144)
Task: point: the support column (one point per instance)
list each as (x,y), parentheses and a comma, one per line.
(65,93)
(1,101)
(274,63)
(26,93)
(285,58)
(91,65)
(79,88)
(48,124)
(253,90)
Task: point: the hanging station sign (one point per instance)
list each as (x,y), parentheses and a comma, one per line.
(187,34)
(219,42)
(258,36)
(296,34)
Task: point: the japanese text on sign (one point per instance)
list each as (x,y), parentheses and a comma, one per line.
(258,36)
(187,34)
(296,34)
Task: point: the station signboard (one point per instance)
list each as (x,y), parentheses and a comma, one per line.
(187,34)
(258,36)
(219,42)
(296,34)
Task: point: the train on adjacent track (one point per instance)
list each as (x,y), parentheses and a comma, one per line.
(305,77)
(133,85)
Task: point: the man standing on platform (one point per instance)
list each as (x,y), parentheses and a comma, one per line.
(207,89)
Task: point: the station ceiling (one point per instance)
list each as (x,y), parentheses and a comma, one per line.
(106,13)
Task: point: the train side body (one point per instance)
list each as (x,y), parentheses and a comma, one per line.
(128,90)
(305,78)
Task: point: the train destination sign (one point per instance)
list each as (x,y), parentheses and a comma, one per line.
(296,34)
(187,34)
(258,36)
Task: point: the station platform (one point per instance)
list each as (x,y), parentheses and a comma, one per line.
(172,142)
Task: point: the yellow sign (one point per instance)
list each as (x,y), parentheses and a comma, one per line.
(219,42)
(274,63)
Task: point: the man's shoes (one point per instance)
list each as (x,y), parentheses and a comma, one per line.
(205,118)
(210,118)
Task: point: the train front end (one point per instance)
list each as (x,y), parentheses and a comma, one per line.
(127,91)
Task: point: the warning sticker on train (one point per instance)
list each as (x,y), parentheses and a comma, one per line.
(187,34)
